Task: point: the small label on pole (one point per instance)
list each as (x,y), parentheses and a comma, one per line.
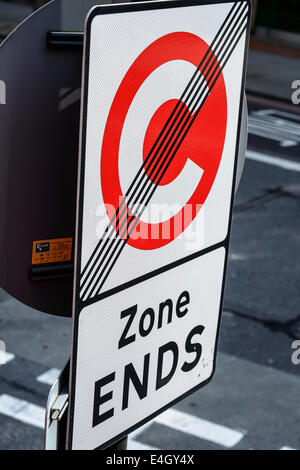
(56,250)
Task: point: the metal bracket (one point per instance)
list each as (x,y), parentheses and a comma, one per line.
(51,271)
(65,38)
(59,406)
(56,415)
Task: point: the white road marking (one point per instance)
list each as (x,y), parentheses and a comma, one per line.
(272,160)
(2,92)
(49,376)
(135,445)
(22,410)
(34,415)
(200,428)
(275,125)
(141,429)
(194,426)
(5,357)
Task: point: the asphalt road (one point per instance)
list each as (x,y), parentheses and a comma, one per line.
(253,401)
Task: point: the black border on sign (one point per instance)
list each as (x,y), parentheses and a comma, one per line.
(77,305)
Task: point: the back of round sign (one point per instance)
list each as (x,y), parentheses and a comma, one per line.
(39,126)
(39,123)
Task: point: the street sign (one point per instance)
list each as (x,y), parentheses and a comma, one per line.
(161,116)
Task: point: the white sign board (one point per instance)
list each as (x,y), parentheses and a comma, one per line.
(161,112)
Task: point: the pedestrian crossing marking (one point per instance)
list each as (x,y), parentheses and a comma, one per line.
(200,428)
(22,410)
(275,125)
(49,376)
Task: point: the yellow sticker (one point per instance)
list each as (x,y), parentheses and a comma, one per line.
(56,250)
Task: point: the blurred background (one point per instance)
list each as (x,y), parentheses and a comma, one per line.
(253,401)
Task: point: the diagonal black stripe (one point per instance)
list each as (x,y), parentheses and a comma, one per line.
(187,111)
(183,137)
(126,224)
(93,299)
(216,60)
(112,242)
(165,127)
(115,216)
(176,107)
(126,221)
(124,242)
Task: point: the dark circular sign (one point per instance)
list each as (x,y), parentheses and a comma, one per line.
(39,133)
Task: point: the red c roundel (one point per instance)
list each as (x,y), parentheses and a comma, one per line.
(203,144)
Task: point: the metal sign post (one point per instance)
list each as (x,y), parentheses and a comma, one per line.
(161,116)
(56,412)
